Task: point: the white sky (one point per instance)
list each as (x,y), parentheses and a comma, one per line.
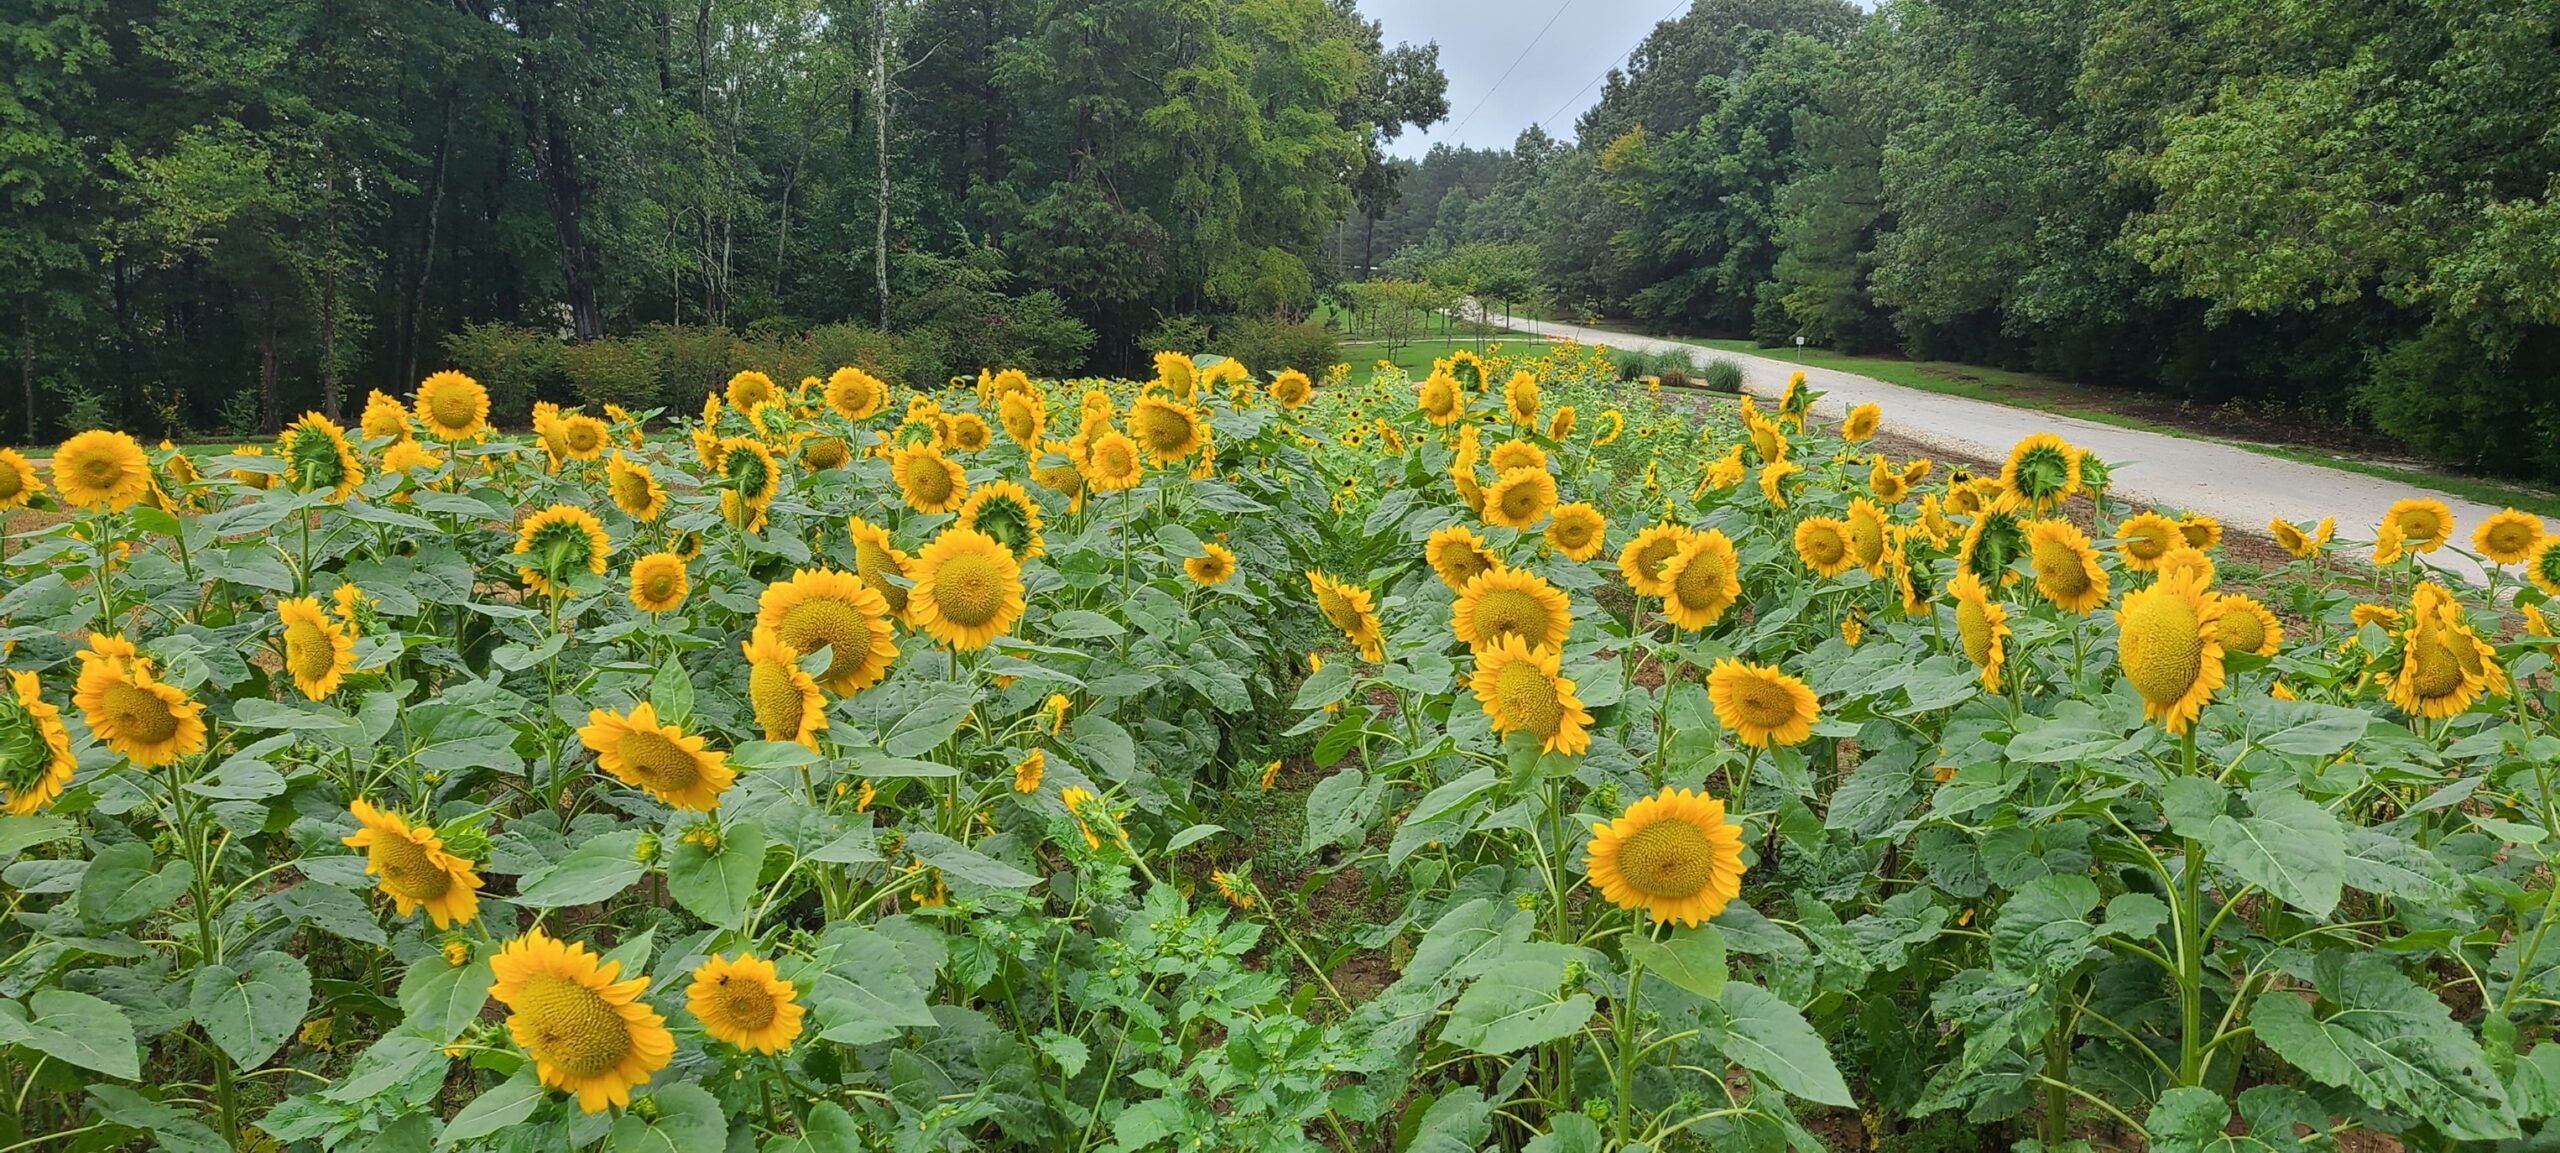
(1480,38)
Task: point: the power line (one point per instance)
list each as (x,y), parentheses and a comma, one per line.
(1515,63)
(1622,59)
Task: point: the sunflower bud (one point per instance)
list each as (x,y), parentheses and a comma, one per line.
(647,850)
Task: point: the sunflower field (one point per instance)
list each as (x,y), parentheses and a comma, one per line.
(1512,759)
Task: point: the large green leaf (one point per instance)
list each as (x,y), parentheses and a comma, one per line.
(1691,958)
(718,885)
(76,1029)
(1766,1035)
(679,1118)
(120,886)
(439,1000)
(2392,1043)
(1515,1005)
(2289,845)
(506,1104)
(590,873)
(250,1011)
(826,1129)
(2192,1120)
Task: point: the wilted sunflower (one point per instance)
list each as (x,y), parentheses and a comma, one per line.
(1292,389)
(2143,538)
(1457,554)
(1004,511)
(1349,607)
(1515,453)
(2202,533)
(1212,567)
(1674,856)
(2067,569)
(1112,463)
(786,700)
(1438,398)
(2374,614)
(414,866)
(968,589)
(1995,540)
(1773,481)
(2247,627)
(1901,573)
(2169,644)
(1867,524)
(18,483)
(1168,431)
(745,1002)
(2042,470)
(1561,425)
(1982,628)
(1861,423)
(451,407)
(750,388)
(1507,602)
(1762,704)
(36,763)
(588,1034)
(659,759)
(129,709)
(1641,562)
(1524,690)
(2509,536)
(1577,531)
(318,652)
(658,582)
(101,469)
(827,609)
(1822,543)
(927,480)
(2415,525)
(2444,666)
(1701,580)
(855,394)
(1520,399)
(1521,498)
(556,542)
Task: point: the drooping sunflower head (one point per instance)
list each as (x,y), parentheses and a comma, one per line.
(839,611)
(785,698)
(881,564)
(1613,424)
(855,394)
(555,544)
(2509,536)
(1523,690)
(1111,463)
(659,759)
(1175,372)
(1762,705)
(1887,482)
(1641,562)
(451,406)
(1053,467)
(318,651)
(750,388)
(634,488)
(2169,642)
(2042,470)
(133,713)
(1292,389)
(1350,608)
(1861,423)
(1982,628)
(35,750)
(1004,511)
(2290,537)
(414,867)
(1457,554)
(1521,498)
(1867,524)
(1774,478)
(1507,602)
(1213,566)
(2067,569)
(745,1002)
(1994,541)
(1560,426)
(2248,627)
(927,480)
(658,582)
(1577,531)
(1673,856)
(589,1034)
(968,589)
(1701,580)
(101,469)
(1511,454)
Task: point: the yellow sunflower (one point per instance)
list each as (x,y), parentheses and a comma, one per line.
(589,1035)
(1822,543)
(2543,566)
(18,483)
(827,609)
(745,1002)
(2535,623)
(658,582)
(101,469)
(1867,524)
(1761,704)
(133,713)
(583,437)
(1457,554)
(559,541)
(2290,537)
(2186,560)
(1982,628)
(855,394)
(384,416)
(318,458)
(1112,464)
(2169,642)
(414,866)
(1212,567)
(1521,498)
(1701,580)
(1004,511)
(927,480)
(1515,453)
(1168,431)
(2202,533)
(1349,608)
(1641,562)
(1053,467)
(881,564)
(2067,569)
(750,388)
(318,651)
(1773,481)
(1438,398)
(1524,690)
(1028,771)
(2415,525)
(1887,482)
(634,488)
(1025,416)
(2042,470)
(2509,536)
(658,759)
(35,750)
(408,456)
(787,703)
(451,406)
(2444,666)
(969,432)
(1560,426)
(2248,627)
(1520,399)
(1673,856)
(1577,531)
(1861,423)
(1174,371)
(1292,389)
(968,589)
(1507,602)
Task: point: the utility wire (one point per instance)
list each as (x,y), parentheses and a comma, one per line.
(1570,101)
(1515,63)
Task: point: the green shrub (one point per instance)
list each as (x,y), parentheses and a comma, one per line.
(517,364)
(615,371)
(1267,346)
(1181,332)
(1722,375)
(2444,394)
(692,360)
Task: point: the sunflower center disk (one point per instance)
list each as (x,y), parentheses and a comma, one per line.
(2059,569)
(2163,652)
(1528,700)
(405,867)
(571,1027)
(969,590)
(1670,858)
(308,651)
(2243,632)
(1764,705)
(777,700)
(815,624)
(1510,611)
(743,1005)
(143,717)
(451,410)
(1701,584)
(662,763)
(1973,627)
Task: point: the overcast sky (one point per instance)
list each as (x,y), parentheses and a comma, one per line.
(1480,38)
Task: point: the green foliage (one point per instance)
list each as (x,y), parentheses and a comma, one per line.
(1268,345)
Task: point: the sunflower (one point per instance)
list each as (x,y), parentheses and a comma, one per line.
(1507,602)
(1641,562)
(1701,580)
(750,388)
(635,490)
(318,458)
(1212,567)
(1004,511)
(1727,470)
(35,750)
(416,869)
(588,1034)
(1867,524)
(1174,371)
(1053,467)
(881,564)
(2373,614)
(745,1002)
(2067,569)
(2169,641)
(855,394)
(827,609)
(656,758)
(1028,771)
(1773,481)
(318,652)
(1982,628)
(18,483)
(1024,416)
(1673,856)
(2444,666)
(384,416)
(1523,690)
(1887,482)
(748,472)
(2186,560)
(2290,537)
(131,711)
(559,541)
(658,582)
(1994,541)
(1112,463)
(1349,608)
(2247,627)
(2535,623)
(1515,453)
(968,589)
(583,437)
(451,406)
(787,703)
(1520,399)
(1521,498)
(1767,439)
(1822,543)
(1292,389)
(2202,533)
(1457,554)
(2042,470)
(1561,425)
(1899,571)
(2415,525)
(1168,431)
(968,432)
(2509,536)
(2544,566)
(2142,539)
(408,456)
(1761,704)
(1438,398)
(927,480)
(1861,423)
(1576,531)
(101,469)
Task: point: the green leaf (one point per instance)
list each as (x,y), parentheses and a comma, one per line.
(1766,1035)
(120,887)
(250,1012)
(438,1001)
(505,1105)
(1069,1051)
(173,1129)
(1515,1005)
(718,886)
(1339,810)
(1083,624)
(828,1129)
(1192,835)
(591,872)
(962,863)
(1692,959)
(2304,728)
(1324,686)
(771,755)
(2193,1120)
(1572,1133)
(331,909)
(20,833)
(1456,1123)
(687,1120)
(2393,1044)
(928,722)
(76,1029)
(2290,846)
(671,692)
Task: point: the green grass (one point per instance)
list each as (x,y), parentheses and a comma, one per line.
(1415,358)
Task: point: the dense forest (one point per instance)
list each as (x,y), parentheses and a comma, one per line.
(2346,207)
(220,212)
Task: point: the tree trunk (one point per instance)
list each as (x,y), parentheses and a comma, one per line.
(564,187)
(1368,244)
(270,373)
(414,323)
(330,405)
(27,365)
(880,126)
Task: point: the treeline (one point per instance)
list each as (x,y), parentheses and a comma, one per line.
(2345,207)
(220,212)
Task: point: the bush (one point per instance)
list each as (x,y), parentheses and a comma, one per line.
(1181,332)
(613,371)
(692,360)
(1723,375)
(1267,346)
(516,364)
(2447,395)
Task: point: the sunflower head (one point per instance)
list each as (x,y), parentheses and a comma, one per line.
(855,394)
(2543,566)
(1438,398)
(319,459)
(1520,399)
(1025,416)
(968,589)
(1982,628)
(1762,705)
(414,867)
(1701,580)
(1213,566)
(1673,856)
(1349,608)
(1112,464)
(750,388)
(2418,524)
(35,750)
(1292,389)
(928,481)
(658,582)
(659,759)
(451,407)
(384,416)
(1457,554)
(1641,562)
(1861,423)
(968,432)
(1577,531)
(2169,642)
(786,700)
(1822,543)
(132,712)
(2144,538)
(1523,690)
(1167,430)
(1515,453)
(2042,470)
(2290,537)
(1994,541)
(839,611)
(1507,602)
(745,1002)
(589,1034)
(2067,569)
(318,650)
(1521,498)
(101,469)
(2444,665)
(1008,514)
(2248,627)
(2508,537)
(553,545)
